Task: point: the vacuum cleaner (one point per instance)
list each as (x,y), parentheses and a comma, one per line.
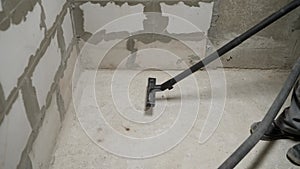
(254,138)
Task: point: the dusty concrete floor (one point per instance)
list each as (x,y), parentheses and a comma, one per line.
(249,95)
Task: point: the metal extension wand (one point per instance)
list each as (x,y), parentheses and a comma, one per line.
(152,87)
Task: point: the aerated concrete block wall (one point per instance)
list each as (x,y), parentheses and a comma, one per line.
(38,52)
(178,28)
(221,20)
(37,56)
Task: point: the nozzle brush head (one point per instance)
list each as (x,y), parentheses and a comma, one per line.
(152,88)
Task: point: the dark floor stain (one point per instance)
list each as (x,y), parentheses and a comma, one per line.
(229,58)
(127,129)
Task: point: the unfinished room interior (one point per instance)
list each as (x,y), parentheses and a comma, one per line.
(149,84)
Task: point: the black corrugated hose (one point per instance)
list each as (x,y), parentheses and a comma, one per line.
(254,138)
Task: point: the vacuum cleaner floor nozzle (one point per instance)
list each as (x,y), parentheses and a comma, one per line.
(152,88)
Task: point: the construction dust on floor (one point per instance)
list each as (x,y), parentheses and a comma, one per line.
(249,95)
(74,90)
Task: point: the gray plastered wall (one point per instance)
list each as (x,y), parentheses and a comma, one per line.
(276,47)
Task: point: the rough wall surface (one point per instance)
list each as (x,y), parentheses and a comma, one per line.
(36,44)
(278,46)
(37,56)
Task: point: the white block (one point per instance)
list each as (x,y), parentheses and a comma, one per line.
(52,9)
(44,144)
(14,133)
(67,28)
(199,16)
(16,45)
(95,17)
(3,142)
(43,76)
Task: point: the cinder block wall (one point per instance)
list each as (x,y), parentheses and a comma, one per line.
(37,56)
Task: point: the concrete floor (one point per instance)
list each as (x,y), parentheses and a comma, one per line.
(249,94)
